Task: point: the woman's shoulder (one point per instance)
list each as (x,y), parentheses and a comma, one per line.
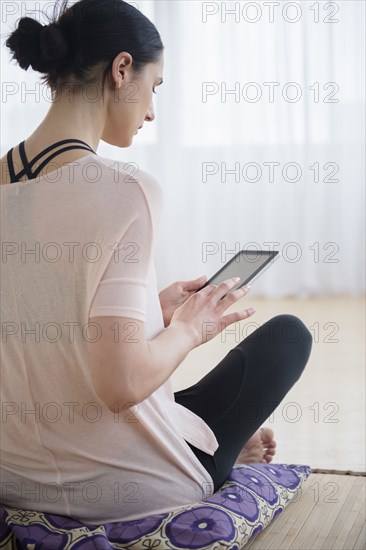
(131,174)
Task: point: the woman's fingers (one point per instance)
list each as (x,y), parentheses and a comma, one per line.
(237,316)
(220,294)
(230,298)
(208,305)
(235,295)
(216,292)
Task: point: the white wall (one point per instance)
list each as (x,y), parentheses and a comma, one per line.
(315,137)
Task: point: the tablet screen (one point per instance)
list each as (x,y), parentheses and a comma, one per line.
(246,264)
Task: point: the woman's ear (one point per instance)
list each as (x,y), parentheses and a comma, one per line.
(121,65)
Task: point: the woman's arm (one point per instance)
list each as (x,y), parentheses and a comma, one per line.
(126,368)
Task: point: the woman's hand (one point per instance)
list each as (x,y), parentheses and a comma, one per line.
(176,294)
(202,315)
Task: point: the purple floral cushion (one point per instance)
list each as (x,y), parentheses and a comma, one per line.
(251,497)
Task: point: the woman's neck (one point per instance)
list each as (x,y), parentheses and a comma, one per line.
(72,117)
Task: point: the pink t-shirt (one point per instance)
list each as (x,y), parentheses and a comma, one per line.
(79,243)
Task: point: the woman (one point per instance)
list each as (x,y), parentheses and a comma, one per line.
(91,428)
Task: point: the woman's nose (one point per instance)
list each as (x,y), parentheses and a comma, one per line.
(150,116)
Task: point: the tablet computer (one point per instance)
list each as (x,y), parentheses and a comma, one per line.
(246,264)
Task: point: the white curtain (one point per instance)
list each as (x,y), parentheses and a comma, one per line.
(258,140)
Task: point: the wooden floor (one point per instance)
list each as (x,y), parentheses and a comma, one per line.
(321,421)
(328,513)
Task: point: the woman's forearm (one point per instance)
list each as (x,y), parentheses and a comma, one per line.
(163,355)
(126,368)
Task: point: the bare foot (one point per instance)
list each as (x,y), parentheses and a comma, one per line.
(259,448)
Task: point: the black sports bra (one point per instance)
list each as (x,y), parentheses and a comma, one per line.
(28,165)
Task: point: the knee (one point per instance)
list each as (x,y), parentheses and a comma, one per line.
(295,333)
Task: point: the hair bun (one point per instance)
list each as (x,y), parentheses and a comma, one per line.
(37,45)
(54,46)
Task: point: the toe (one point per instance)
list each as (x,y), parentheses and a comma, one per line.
(266,435)
(268,457)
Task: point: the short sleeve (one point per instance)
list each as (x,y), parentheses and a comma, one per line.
(123,289)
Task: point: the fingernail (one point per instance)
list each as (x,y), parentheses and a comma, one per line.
(236,278)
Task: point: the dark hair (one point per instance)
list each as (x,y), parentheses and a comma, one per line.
(80,37)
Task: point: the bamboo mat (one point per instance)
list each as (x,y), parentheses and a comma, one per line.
(328,513)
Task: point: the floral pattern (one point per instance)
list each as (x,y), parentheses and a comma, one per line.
(287,477)
(133,530)
(237,499)
(251,497)
(200,527)
(259,484)
(38,536)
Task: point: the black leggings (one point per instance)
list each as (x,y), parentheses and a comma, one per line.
(240,393)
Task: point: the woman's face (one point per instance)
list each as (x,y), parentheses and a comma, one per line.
(131,103)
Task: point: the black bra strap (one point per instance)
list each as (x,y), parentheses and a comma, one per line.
(25,162)
(39,169)
(13,177)
(56,145)
(28,165)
